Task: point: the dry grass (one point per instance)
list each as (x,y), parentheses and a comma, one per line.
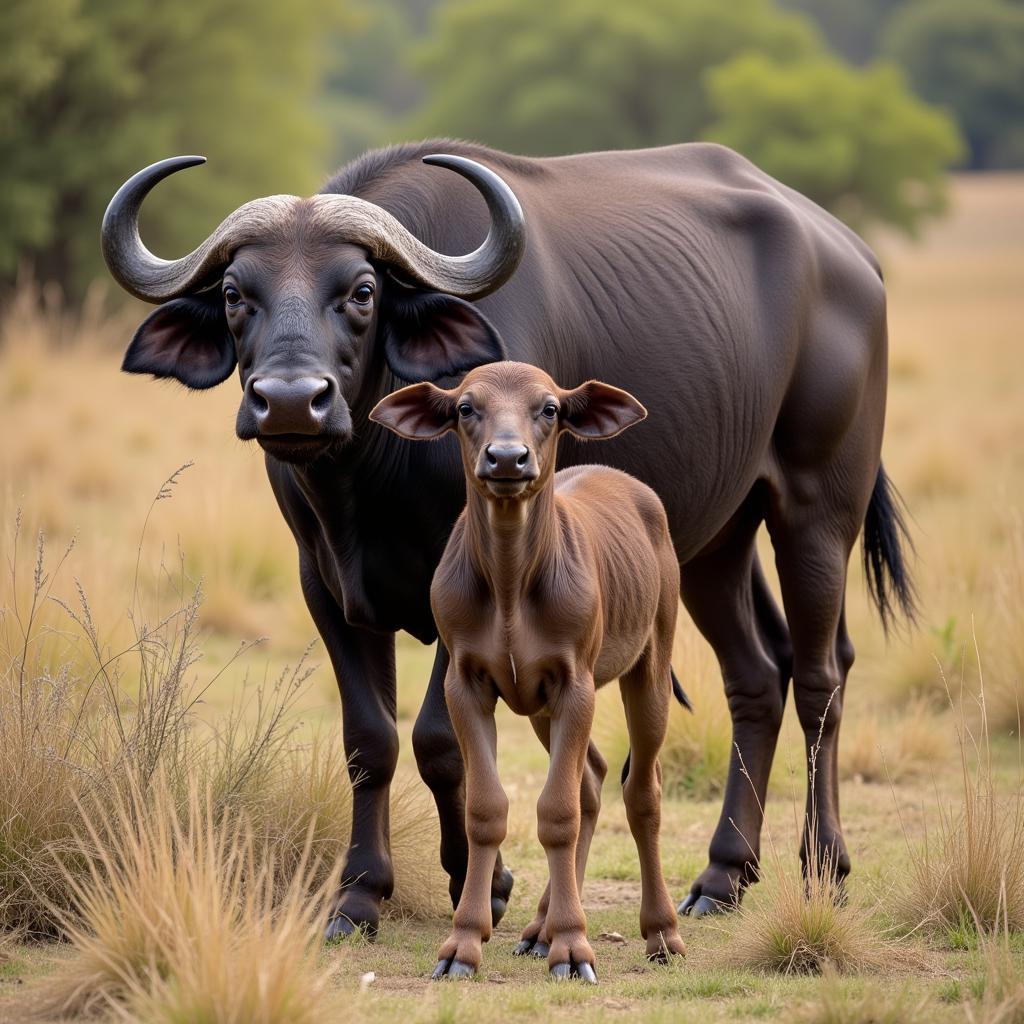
(998,998)
(806,923)
(181,917)
(81,720)
(878,748)
(968,870)
(836,1004)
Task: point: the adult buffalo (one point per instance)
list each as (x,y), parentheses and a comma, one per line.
(748,321)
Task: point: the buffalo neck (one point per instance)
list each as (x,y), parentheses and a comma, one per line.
(511,543)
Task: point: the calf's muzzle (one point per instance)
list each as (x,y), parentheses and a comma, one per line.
(506,462)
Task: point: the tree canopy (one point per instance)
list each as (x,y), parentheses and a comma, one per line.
(864,148)
(91,90)
(546,78)
(543,78)
(969,59)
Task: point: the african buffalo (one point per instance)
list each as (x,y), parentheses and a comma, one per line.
(749,322)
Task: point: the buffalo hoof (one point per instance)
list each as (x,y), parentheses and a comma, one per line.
(704,906)
(339,928)
(584,972)
(452,968)
(498,908)
(531,947)
(501,890)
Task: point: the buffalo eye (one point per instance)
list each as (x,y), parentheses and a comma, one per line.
(465,409)
(363,294)
(232,296)
(550,410)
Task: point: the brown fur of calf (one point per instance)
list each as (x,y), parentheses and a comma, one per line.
(552,584)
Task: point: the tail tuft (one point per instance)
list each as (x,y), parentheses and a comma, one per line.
(885,534)
(679,693)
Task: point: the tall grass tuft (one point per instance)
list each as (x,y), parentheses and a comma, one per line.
(968,871)
(807,924)
(179,916)
(85,724)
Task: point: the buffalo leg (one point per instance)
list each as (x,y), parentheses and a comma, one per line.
(440,766)
(364,664)
(812,559)
(729,601)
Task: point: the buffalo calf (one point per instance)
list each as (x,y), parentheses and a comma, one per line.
(551,585)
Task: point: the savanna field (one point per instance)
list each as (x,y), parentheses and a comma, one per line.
(173,794)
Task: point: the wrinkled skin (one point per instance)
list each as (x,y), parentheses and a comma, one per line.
(748,321)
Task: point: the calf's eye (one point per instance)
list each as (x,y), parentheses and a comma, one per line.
(550,410)
(465,409)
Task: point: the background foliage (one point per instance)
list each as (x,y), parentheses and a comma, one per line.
(278,95)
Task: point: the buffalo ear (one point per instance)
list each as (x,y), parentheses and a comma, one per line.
(187,339)
(419,412)
(595,410)
(430,335)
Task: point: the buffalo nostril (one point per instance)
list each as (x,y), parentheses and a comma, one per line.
(323,398)
(258,402)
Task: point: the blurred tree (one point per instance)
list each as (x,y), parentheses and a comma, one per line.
(370,87)
(969,58)
(853,28)
(540,77)
(855,142)
(543,78)
(95,89)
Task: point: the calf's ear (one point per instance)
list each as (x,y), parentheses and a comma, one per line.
(430,335)
(595,410)
(186,339)
(419,412)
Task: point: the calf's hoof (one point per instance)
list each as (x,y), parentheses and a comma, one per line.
(531,947)
(584,972)
(664,946)
(452,968)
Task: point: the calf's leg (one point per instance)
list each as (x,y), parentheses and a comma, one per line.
(486,825)
(534,939)
(646,690)
(558,828)
(440,766)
